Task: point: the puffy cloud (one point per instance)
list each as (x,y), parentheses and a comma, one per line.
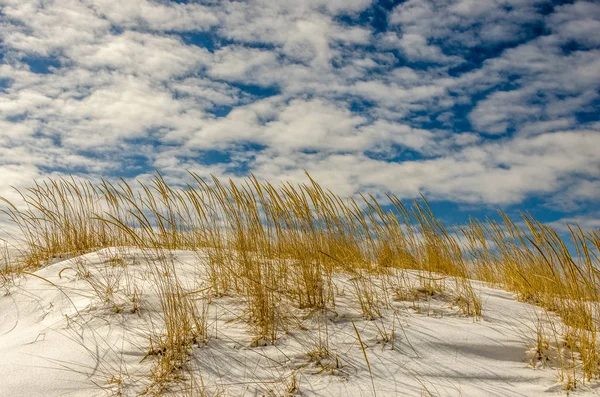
(35,28)
(467,23)
(416,47)
(159,57)
(237,63)
(577,22)
(154,15)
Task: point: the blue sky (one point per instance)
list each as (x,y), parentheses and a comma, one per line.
(478,104)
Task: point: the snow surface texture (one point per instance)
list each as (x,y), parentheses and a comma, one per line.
(81,327)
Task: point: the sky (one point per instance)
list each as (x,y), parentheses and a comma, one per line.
(479,105)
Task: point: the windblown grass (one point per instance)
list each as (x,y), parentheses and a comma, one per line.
(280,245)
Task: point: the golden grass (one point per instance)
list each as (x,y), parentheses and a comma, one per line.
(280,245)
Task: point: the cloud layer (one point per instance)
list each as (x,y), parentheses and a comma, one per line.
(472,102)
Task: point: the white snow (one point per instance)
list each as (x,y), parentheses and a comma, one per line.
(60,337)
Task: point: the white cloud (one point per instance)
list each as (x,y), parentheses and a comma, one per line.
(123,110)
(302,32)
(160,57)
(586,223)
(155,15)
(501,110)
(18,176)
(385,132)
(415,47)
(551,86)
(235,63)
(466,22)
(47,29)
(538,127)
(579,22)
(497,173)
(314,124)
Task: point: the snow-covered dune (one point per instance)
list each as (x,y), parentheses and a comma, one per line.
(84,326)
